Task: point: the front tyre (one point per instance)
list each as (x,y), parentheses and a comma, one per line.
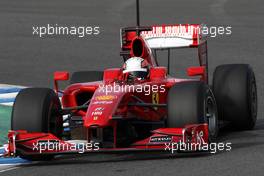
(192,103)
(37,110)
(235,89)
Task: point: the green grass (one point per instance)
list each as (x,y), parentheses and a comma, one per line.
(5,115)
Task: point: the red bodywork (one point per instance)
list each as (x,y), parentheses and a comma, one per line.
(107,110)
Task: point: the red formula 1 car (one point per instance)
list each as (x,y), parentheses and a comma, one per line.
(138,107)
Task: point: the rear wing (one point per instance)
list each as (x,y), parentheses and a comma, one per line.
(173,36)
(167,36)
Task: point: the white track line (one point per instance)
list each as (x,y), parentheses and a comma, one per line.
(10,85)
(8,169)
(9,95)
(7,104)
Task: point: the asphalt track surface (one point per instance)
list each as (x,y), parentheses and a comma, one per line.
(30,61)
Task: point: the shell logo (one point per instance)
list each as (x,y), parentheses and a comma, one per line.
(105,97)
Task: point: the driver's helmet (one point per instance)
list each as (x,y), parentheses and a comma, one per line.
(134,68)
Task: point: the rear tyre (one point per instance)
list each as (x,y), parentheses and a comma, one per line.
(235,91)
(192,103)
(86,76)
(37,110)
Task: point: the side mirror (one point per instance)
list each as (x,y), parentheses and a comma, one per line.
(196,71)
(59,76)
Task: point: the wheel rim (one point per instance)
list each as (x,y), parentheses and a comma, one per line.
(55,120)
(211,116)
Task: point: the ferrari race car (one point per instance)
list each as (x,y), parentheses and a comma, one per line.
(138,107)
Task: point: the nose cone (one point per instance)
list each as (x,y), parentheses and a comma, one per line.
(101,109)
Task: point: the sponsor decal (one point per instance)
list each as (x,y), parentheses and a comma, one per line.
(161,139)
(97,113)
(105,97)
(155,99)
(200,137)
(172,31)
(99,109)
(47,142)
(103,102)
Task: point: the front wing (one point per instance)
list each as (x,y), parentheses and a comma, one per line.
(162,139)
